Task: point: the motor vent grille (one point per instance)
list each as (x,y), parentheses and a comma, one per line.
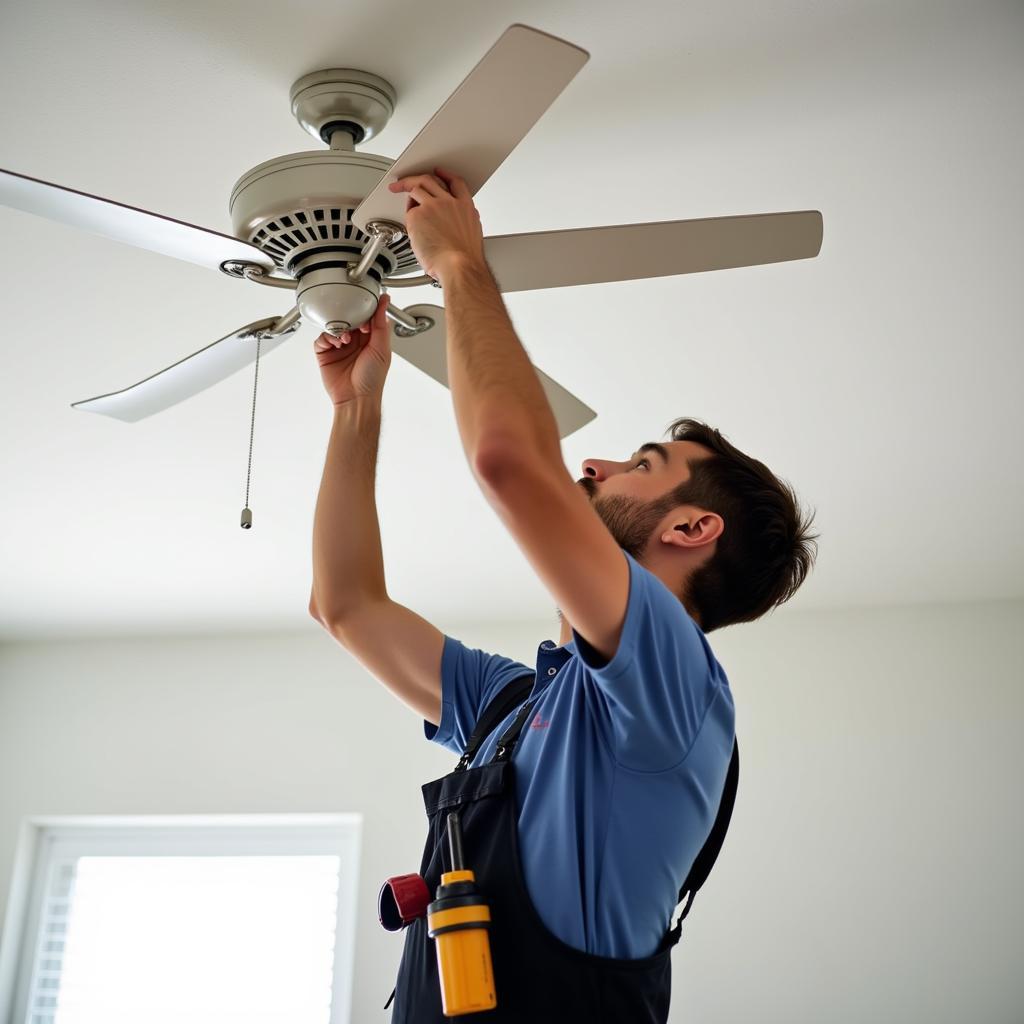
(287,236)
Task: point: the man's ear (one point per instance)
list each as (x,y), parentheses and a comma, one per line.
(693,528)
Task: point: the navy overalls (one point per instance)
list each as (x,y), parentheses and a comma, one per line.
(538,978)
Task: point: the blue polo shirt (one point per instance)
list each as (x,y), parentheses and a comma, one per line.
(620,772)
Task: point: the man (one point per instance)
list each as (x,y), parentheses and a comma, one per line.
(584,821)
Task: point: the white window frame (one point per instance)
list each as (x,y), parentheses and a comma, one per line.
(45,842)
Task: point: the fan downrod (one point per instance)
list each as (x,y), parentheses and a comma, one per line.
(343,99)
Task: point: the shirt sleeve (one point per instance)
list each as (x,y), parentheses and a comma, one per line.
(469,680)
(661,681)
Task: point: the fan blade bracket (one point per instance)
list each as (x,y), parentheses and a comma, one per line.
(407,324)
(419,281)
(243,270)
(274,327)
(382,233)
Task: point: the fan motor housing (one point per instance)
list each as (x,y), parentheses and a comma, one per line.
(298,210)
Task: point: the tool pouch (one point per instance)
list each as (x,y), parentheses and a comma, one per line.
(401,900)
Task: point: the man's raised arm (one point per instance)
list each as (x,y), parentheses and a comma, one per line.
(349,596)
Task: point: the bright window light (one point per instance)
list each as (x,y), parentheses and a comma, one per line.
(199,940)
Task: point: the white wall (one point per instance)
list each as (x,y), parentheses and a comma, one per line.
(873,867)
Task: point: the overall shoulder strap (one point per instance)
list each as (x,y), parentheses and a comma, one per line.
(705,860)
(502,704)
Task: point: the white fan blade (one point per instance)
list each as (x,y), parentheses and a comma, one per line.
(486,117)
(188,376)
(630,252)
(428,352)
(126,223)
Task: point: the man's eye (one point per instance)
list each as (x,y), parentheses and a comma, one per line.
(642,462)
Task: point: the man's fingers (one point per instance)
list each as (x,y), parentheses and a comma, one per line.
(379,320)
(438,184)
(456,185)
(334,345)
(420,195)
(426,182)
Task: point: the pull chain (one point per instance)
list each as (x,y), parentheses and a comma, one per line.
(247,512)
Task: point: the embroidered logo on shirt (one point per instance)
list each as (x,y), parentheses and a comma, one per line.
(540,723)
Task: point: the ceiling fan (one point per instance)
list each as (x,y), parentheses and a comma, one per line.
(324,224)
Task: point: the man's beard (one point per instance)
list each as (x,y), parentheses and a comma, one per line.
(629,520)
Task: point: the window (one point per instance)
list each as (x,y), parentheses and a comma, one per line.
(193,919)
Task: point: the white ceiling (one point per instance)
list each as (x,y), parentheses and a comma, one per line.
(882,379)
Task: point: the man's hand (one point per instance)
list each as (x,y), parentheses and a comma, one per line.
(355,364)
(442,223)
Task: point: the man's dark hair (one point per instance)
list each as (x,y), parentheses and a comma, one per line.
(765,551)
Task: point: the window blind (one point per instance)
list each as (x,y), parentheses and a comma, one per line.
(158,924)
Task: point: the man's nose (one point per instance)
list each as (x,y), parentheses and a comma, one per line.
(600,469)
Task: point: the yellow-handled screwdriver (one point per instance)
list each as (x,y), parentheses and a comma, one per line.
(457,921)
